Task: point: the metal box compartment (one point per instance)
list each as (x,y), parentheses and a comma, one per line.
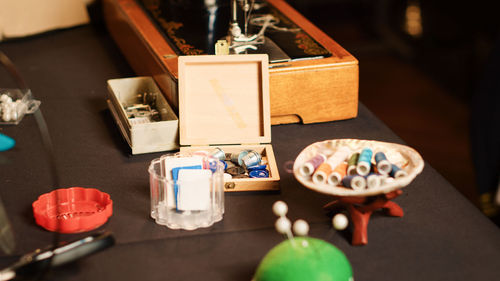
(143,137)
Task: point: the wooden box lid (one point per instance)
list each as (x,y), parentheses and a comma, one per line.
(224,99)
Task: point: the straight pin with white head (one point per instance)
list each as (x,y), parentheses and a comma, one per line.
(283,224)
(340,221)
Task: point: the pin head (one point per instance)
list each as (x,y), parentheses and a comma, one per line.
(301,227)
(283,225)
(280,208)
(340,221)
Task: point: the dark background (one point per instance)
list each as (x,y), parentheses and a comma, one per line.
(428,89)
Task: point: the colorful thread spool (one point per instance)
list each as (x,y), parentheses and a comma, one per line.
(257,167)
(364,162)
(355,182)
(259,174)
(338,174)
(396,172)
(352,163)
(373,180)
(322,172)
(312,164)
(383,165)
(339,156)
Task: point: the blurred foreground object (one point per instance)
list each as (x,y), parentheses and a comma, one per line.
(39,260)
(7,242)
(28,17)
(301,258)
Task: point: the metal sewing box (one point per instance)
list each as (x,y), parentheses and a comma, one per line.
(142,137)
(224,102)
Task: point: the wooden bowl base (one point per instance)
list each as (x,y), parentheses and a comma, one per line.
(360,210)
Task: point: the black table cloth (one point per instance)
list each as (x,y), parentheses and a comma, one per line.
(442,236)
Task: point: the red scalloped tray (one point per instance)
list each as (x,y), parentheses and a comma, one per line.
(72,210)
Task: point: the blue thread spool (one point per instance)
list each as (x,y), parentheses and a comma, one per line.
(355,182)
(257,167)
(364,162)
(396,172)
(259,174)
(383,165)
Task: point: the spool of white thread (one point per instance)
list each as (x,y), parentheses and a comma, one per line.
(333,161)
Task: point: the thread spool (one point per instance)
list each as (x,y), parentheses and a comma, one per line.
(339,156)
(236,158)
(352,163)
(259,174)
(312,164)
(338,174)
(326,168)
(355,182)
(387,180)
(321,173)
(218,153)
(383,165)
(364,162)
(396,172)
(252,158)
(373,181)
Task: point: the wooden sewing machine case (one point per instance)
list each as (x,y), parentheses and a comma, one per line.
(318,87)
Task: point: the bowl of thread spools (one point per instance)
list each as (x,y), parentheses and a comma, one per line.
(357,168)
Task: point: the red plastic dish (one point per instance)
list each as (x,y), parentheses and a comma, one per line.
(72,210)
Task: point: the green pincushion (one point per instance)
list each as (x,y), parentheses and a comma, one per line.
(304,258)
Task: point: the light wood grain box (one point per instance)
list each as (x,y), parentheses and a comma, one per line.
(146,137)
(224,102)
(307,91)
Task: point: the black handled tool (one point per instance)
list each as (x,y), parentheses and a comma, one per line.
(39,260)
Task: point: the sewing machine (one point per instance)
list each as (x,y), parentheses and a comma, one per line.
(312,78)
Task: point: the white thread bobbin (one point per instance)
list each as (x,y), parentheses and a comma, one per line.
(373,181)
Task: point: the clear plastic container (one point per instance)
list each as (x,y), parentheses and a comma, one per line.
(190,202)
(14,104)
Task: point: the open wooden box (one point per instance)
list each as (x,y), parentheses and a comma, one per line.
(224,102)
